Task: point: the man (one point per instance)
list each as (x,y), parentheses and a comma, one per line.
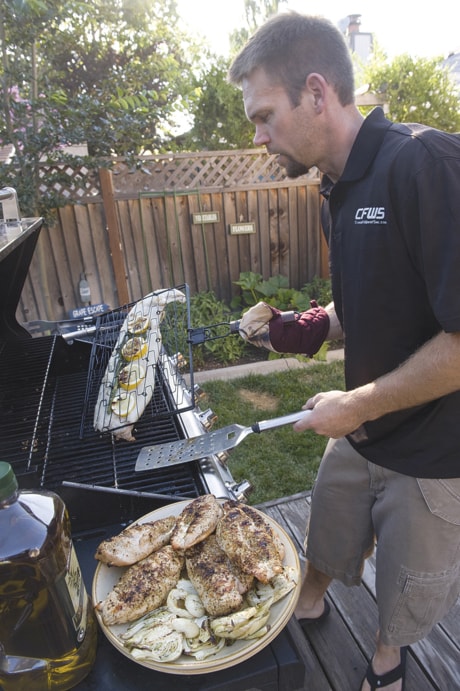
(391,212)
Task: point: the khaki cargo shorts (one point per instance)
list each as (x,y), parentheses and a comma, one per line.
(414,524)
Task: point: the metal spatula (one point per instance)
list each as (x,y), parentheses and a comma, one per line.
(186,450)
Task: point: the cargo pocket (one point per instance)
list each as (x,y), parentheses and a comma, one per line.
(442,498)
(424,600)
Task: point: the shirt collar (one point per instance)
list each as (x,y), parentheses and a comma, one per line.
(364,149)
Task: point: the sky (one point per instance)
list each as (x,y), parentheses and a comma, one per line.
(428,31)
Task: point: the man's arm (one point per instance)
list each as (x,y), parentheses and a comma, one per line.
(433,371)
(335,332)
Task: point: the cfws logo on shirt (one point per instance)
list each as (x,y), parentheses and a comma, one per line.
(370,215)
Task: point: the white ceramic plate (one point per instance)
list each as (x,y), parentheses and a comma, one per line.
(106,577)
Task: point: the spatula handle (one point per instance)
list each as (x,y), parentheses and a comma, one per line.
(280,421)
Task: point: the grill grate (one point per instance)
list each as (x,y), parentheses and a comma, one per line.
(43,395)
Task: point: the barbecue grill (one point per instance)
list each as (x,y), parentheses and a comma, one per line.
(47,392)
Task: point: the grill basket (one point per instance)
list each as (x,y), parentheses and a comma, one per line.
(174,361)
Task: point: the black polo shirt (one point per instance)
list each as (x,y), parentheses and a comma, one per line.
(393,226)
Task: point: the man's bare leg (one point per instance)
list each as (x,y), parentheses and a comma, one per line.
(311,599)
(385,659)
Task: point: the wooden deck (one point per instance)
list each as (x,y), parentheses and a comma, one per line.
(337,651)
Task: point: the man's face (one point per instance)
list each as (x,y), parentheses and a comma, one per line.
(284,130)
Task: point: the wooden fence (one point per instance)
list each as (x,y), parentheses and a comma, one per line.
(200,219)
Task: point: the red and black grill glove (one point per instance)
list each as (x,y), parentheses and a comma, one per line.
(305,335)
(265,327)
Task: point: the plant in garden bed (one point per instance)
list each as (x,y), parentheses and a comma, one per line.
(276,292)
(207,311)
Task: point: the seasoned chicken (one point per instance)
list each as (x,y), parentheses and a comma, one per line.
(219,584)
(249,541)
(120,403)
(135,542)
(143,587)
(196,522)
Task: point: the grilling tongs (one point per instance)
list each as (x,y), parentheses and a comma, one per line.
(208,444)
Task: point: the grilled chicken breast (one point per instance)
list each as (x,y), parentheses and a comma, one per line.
(136,542)
(196,522)
(249,541)
(143,587)
(219,584)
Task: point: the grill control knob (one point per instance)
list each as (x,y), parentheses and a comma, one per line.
(222,457)
(207,418)
(198,392)
(178,360)
(242,489)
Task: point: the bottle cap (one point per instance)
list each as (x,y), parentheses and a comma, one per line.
(8,482)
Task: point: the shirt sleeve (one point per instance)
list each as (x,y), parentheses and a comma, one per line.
(432,203)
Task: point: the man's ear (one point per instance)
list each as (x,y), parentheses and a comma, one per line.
(317,85)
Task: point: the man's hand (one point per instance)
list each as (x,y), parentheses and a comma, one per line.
(265,327)
(431,372)
(332,415)
(254,326)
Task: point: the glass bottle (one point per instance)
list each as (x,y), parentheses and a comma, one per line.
(48,631)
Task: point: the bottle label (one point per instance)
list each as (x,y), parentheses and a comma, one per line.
(78,595)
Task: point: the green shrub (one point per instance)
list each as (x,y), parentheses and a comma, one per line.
(210,337)
(209,318)
(276,292)
(207,310)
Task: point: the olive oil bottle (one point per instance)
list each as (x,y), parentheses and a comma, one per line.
(48,631)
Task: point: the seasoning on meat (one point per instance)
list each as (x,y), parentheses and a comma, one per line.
(249,541)
(143,587)
(196,522)
(219,584)
(136,542)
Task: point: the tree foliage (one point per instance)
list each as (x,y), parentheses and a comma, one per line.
(256,13)
(219,120)
(121,76)
(115,75)
(416,90)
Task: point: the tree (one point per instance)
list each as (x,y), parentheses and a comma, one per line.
(219,120)
(416,90)
(126,66)
(256,13)
(115,75)
(218,112)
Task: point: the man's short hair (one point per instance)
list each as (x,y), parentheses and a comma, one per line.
(289,46)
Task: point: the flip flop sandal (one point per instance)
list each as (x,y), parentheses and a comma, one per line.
(306,621)
(379,681)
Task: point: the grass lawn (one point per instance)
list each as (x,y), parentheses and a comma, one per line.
(279,462)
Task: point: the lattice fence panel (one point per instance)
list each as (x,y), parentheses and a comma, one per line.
(72,183)
(214,170)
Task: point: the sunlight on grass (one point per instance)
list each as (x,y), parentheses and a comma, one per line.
(278,462)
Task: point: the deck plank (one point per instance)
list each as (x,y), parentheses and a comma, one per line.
(337,652)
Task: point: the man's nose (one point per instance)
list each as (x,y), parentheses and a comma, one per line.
(261,137)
